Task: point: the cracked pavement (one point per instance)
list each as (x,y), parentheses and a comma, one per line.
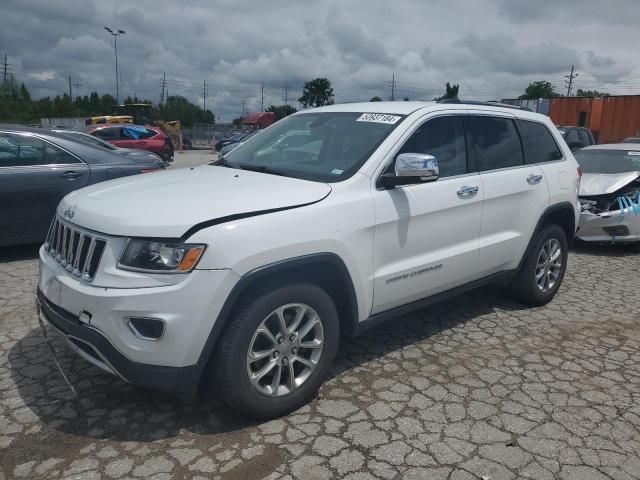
(478,387)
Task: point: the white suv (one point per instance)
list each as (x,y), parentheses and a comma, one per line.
(246,272)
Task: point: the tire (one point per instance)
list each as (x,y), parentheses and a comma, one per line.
(525,285)
(233,367)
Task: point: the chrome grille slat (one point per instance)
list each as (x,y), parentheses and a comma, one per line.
(77,250)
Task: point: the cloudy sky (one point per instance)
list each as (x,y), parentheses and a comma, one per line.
(492,48)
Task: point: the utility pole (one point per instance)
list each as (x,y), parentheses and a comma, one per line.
(70,94)
(5,65)
(163,83)
(262,96)
(204,95)
(242,115)
(569,82)
(392,86)
(286,93)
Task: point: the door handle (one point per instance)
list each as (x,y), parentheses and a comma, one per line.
(467,191)
(71,175)
(534,179)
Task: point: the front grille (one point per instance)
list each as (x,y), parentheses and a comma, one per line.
(78,251)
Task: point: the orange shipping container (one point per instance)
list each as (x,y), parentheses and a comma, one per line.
(620,118)
(576,111)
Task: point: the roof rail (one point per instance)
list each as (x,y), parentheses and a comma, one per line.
(477,102)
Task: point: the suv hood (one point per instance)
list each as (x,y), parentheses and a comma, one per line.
(167,204)
(605,183)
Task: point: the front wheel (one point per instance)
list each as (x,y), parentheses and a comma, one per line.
(543,269)
(277,351)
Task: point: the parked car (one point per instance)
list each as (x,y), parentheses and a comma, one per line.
(577,137)
(133,153)
(230,147)
(145,137)
(610,193)
(228,141)
(261,262)
(38,168)
(631,140)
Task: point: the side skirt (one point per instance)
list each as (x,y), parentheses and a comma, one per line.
(378,318)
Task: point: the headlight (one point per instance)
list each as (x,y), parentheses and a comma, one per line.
(160,257)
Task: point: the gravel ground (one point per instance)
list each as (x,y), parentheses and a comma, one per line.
(478,387)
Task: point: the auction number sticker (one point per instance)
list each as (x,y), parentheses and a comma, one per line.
(378,118)
(633,153)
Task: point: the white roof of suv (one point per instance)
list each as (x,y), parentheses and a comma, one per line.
(406,108)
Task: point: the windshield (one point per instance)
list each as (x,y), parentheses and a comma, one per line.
(608,161)
(325,147)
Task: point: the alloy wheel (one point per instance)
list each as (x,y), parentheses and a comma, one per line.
(285,349)
(549,265)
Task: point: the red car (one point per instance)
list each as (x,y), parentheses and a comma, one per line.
(141,137)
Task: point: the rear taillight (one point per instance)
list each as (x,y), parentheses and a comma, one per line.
(579,172)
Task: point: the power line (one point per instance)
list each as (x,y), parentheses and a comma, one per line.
(569,82)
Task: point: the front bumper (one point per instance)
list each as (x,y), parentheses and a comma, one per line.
(612,227)
(89,343)
(96,317)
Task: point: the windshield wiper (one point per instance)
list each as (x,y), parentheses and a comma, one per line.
(222,162)
(262,169)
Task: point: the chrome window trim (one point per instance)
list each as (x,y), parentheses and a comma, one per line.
(45,141)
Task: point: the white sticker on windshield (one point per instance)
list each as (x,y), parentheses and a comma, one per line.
(337,171)
(378,118)
(633,153)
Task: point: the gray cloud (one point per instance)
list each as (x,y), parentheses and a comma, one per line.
(599,61)
(492,48)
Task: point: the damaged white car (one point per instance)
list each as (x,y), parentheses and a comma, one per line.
(609,193)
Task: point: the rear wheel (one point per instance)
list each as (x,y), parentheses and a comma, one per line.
(544,267)
(277,351)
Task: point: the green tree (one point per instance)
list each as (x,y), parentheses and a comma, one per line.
(591,93)
(179,108)
(282,111)
(316,93)
(24,93)
(539,89)
(107,102)
(237,122)
(451,91)
(375,99)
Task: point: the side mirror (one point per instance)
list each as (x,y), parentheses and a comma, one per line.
(412,168)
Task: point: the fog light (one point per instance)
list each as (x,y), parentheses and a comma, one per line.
(617,230)
(146,328)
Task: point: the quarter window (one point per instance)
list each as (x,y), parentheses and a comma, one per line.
(442,137)
(20,150)
(495,142)
(539,145)
(572,137)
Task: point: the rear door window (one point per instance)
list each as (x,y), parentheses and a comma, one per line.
(538,143)
(20,150)
(494,141)
(56,155)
